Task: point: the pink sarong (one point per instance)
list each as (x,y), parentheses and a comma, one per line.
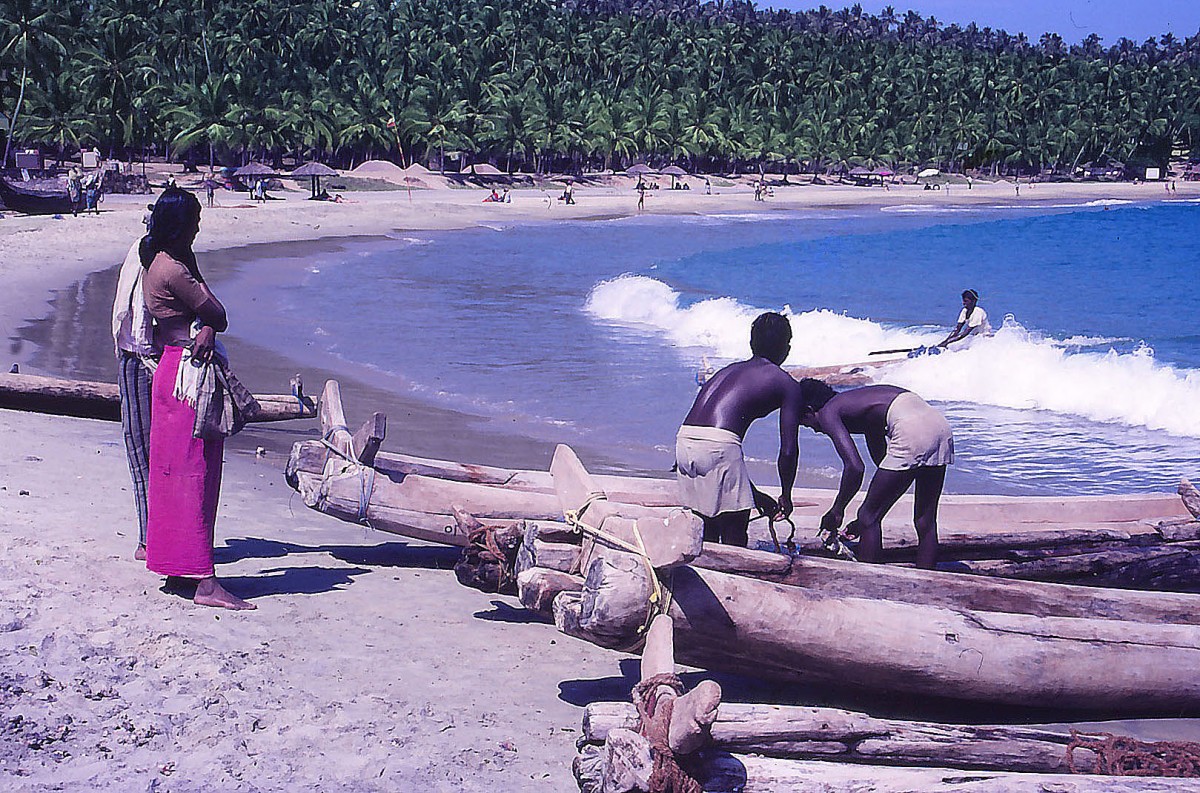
(184,484)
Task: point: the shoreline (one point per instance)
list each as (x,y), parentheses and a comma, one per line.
(299,229)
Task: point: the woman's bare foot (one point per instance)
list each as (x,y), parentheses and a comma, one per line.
(209,592)
(140,553)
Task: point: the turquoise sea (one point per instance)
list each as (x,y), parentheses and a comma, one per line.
(594,331)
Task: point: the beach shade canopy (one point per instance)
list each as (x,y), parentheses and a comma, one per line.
(486,169)
(254,169)
(639,170)
(674,170)
(860,171)
(928,172)
(314,170)
(883,172)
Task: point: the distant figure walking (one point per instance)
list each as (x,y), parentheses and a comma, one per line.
(209,191)
(972,320)
(185,471)
(641,188)
(713,479)
(910,441)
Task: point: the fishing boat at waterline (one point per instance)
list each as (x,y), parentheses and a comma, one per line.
(605,555)
(48,198)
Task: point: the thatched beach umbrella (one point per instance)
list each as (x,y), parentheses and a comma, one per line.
(641,169)
(674,171)
(252,170)
(314,170)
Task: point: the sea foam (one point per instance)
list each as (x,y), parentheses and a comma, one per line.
(1014,368)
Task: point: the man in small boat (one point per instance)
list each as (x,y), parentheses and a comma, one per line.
(972,320)
(911,443)
(713,479)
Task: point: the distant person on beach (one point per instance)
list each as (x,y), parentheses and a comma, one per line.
(137,356)
(713,479)
(209,191)
(641,188)
(911,443)
(185,471)
(972,320)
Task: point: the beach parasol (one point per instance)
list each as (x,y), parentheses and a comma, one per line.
(928,172)
(314,170)
(674,171)
(254,169)
(641,169)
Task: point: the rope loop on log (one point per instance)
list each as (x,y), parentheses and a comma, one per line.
(1118,755)
(366,477)
(667,776)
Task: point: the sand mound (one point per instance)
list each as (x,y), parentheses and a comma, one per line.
(417,170)
(379,169)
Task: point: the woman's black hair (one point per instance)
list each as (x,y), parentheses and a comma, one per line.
(172,219)
(971,293)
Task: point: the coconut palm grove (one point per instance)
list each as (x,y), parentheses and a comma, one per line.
(534,85)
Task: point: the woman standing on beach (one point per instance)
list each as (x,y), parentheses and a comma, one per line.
(185,472)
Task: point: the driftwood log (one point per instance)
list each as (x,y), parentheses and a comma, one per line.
(728,773)
(91,400)
(848,737)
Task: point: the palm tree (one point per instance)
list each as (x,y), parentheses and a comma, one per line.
(31,31)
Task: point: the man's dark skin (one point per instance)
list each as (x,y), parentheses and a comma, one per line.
(733,399)
(863,411)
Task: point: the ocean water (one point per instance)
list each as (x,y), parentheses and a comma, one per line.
(595,330)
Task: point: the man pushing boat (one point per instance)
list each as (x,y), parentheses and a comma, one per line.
(713,479)
(910,441)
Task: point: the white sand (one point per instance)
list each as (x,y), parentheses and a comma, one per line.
(366,665)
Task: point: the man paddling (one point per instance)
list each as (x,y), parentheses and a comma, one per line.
(972,320)
(713,479)
(911,443)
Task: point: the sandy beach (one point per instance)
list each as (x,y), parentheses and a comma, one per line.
(366,666)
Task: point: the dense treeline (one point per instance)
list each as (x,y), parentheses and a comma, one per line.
(535,84)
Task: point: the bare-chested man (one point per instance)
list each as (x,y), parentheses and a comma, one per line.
(713,480)
(911,443)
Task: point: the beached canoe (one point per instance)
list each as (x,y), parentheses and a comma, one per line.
(604,567)
(1046,646)
(92,400)
(46,201)
(1146,542)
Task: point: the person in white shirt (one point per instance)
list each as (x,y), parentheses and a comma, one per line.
(972,320)
(133,335)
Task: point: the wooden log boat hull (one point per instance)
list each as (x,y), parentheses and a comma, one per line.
(747,626)
(34,202)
